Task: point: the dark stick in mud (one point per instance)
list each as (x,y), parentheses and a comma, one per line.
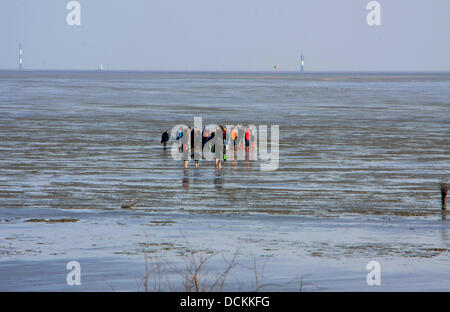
(444,191)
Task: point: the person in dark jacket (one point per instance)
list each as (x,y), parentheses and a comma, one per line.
(165,138)
(219,146)
(224,137)
(186,141)
(193,141)
(197,147)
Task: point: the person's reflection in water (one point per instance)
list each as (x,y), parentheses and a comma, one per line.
(234,162)
(247,158)
(218,179)
(185,180)
(196,175)
(445,237)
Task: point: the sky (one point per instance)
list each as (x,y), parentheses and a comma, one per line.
(231,35)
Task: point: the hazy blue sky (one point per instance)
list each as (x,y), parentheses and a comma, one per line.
(226,35)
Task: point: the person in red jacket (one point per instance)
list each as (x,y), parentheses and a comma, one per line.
(247,137)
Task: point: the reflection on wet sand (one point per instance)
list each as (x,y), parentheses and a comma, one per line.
(185,180)
(445,236)
(219,179)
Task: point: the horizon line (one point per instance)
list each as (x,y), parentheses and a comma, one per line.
(220,71)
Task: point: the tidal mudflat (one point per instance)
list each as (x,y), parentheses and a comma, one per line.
(361,159)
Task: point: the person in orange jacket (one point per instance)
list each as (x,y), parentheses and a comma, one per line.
(233,137)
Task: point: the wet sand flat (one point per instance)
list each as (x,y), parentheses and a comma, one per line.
(361,158)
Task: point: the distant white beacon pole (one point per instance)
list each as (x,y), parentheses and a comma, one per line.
(20,56)
(302,62)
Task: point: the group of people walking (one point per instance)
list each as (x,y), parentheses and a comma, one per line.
(192,142)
